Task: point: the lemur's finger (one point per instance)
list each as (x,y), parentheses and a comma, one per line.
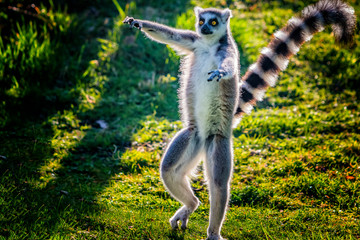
(128,20)
(215,73)
(221,74)
(212,77)
(135,24)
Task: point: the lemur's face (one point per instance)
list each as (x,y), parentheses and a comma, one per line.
(211,21)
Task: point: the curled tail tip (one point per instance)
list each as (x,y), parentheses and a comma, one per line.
(344,29)
(340,15)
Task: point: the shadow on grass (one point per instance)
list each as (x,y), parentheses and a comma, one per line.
(176,235)
(51,191)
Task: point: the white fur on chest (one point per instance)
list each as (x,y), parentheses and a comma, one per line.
(206,105)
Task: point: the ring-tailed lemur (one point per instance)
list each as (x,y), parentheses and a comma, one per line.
(209,108)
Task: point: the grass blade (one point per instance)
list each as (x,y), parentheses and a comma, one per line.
(120,10)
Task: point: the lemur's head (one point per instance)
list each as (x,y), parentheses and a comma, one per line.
(212,21)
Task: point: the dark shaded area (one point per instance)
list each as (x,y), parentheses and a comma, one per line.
(48,89)
(44,87)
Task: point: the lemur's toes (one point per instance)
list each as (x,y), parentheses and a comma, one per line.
(215,238)
(174,223)
(181,215)
(184,223)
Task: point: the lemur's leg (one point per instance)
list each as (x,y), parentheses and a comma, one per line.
(180,158)
(180,39)
(218,167)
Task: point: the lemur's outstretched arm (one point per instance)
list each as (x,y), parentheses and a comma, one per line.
(178,39)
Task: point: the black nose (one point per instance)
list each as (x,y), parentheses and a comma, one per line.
(206,30)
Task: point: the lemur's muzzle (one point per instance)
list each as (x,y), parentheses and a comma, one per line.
(206,30)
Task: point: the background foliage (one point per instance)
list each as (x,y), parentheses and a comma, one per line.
(87,106)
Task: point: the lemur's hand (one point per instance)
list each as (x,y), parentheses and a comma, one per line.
(216,73)
(132,22)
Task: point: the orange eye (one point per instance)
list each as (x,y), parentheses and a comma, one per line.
(213,23)
(201,22)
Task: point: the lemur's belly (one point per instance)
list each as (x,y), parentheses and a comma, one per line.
(209,115)
(207,102)
(207,111)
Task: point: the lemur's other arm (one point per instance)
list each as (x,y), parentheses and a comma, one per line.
(178,39)
(227,57)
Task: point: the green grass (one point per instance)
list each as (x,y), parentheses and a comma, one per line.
(297,156)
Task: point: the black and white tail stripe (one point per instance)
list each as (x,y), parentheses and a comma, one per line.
(287,42)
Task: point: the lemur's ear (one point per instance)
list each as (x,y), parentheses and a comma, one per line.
(226,14)
(198,10)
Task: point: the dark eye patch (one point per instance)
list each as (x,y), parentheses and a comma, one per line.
(213,22)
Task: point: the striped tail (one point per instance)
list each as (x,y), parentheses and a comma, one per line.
(287,41)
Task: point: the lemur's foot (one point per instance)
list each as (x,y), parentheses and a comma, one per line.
(216,74)
(132,22)
(215,237)
(181,215)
